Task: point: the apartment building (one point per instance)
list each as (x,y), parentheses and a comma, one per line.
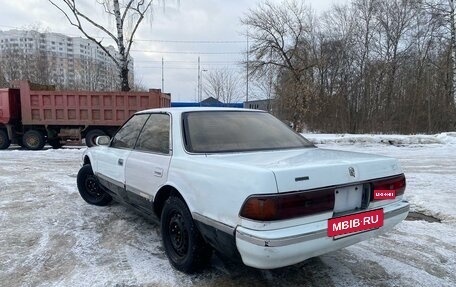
(69,62)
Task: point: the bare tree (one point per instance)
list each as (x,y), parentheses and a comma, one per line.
(445,10)
(276,32)
(128,15)
(223,85)
(90,75)
(281,36)
(366,66)
(21,64)
(3,82)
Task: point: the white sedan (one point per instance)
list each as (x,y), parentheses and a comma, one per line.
(243,183)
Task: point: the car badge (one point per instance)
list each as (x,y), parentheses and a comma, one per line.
(351,171)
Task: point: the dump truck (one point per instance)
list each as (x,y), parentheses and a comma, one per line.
(32,115)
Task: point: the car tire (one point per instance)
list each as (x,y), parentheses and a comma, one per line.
(91,137)
(185,247)
(89,187)
(33,140)
(4,140)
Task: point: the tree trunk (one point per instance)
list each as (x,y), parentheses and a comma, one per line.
(453,51)
(124,84)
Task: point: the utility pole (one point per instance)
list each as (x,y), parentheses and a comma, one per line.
(199,80)
(163,76)
(202,82)
(247,71)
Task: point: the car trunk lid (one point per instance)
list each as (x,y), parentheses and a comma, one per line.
(312,168)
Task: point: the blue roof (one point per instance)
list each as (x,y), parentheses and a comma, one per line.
(193,104)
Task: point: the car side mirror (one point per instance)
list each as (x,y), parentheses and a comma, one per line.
(102,140)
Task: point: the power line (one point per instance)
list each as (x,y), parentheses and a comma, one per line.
(147,40)
(189,52)
(190,61)
(177,68)
(190,65)
(192,41)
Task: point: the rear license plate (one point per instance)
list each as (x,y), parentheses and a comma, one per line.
(348,198)
(353,223)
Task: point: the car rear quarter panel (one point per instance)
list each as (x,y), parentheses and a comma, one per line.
(218,191)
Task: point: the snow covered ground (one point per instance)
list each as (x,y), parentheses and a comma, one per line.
(50,237)
(429,162)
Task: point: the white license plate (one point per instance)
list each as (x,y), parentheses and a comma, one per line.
(348,198)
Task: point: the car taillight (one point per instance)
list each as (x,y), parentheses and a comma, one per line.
(288,205)
(396,184)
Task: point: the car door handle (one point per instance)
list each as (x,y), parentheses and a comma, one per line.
(120,161)
(158,172)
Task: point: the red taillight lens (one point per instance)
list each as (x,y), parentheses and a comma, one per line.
(287,206)
(396,183)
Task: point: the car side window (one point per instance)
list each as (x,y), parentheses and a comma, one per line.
(127,135)
(155,134)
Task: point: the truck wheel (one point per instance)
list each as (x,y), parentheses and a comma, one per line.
(91,136)
(33,140)
(4,140)
(89,187)
(186,249)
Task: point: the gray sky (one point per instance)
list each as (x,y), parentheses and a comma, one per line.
(178,32)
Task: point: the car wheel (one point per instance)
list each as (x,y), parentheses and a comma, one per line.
(33,140)
(89,187)
(186,249)
(4,140)
(91,137)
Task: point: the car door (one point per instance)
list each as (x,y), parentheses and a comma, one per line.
(111,165)
(147,165)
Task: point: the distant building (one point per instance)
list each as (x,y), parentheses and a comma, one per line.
(209,102)
(72,61)
(265,105)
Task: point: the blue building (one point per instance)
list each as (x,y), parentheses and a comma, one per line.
(209,102)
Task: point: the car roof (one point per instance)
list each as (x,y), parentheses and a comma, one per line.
(180,110)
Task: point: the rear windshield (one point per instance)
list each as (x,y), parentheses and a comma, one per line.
(234,131)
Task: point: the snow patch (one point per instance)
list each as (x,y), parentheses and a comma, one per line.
(442,138)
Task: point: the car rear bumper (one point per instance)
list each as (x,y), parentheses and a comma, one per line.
(278,248)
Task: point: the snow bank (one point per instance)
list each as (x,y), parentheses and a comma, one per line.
(442,138)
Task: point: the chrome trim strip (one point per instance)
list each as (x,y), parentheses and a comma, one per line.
(303,237)
(281,241)
(136,191)
(211,222)
(108,179)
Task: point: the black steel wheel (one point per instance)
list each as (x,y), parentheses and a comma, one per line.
(186,249)
(91,137)
(89,187)
(33,140)
(178,234)
(4,140)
